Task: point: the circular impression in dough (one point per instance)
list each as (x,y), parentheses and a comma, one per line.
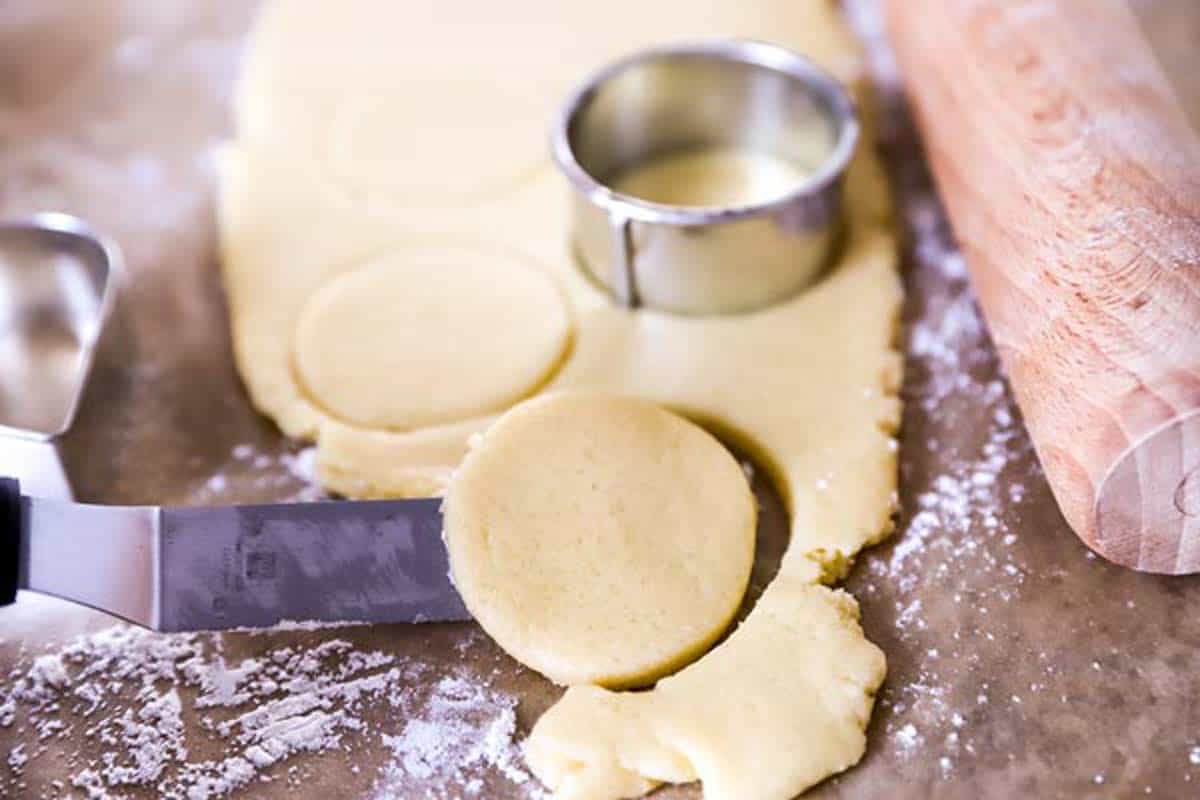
(379,152)
(600,539)
(426,336)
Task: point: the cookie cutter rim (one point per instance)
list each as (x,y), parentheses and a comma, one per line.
(107,255)
(821,186)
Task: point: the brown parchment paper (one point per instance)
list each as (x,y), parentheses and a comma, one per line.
(1018,664)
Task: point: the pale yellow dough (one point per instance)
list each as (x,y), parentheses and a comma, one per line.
(352,120)
(429,335)
(774,709)
(600,539)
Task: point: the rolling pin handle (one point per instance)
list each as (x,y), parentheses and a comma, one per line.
(11,515)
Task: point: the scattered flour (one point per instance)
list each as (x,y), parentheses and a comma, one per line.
(17,759)
(170,714)
(453,741)
(287,477)
(955,537)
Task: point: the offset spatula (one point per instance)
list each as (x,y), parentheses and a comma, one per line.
(190,569)
(171,569)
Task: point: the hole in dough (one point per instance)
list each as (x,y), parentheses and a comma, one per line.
(428,336)
(600,539)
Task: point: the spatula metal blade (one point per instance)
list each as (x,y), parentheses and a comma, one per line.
(258,566)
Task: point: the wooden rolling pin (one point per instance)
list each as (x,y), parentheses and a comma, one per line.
(1072,179)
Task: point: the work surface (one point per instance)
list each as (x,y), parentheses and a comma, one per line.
(1018,663)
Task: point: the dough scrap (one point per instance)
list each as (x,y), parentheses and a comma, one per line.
(600,539)
(808,387)
(429,336)
(776,708)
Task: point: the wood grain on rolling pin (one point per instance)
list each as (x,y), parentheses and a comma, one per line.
(1072,178)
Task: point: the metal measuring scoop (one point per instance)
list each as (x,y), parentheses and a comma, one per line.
(57,287)
(734,94)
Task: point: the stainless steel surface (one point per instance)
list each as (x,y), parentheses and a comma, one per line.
(190,569)
(105,557)
(37,463)
(256,566)
(58,279)
(698,260)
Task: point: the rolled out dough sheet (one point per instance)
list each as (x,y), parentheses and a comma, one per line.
(359,136)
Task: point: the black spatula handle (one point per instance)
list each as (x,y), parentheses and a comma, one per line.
(10,538)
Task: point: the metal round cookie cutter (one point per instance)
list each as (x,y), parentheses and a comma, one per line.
(747,95)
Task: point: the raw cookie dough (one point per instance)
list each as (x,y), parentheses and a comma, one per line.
(427,336)
(808,387)
(600,539)
(774,709)
(407,105)
(713,176)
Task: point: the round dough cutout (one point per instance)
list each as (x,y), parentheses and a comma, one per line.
(429,336)
(600,539)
